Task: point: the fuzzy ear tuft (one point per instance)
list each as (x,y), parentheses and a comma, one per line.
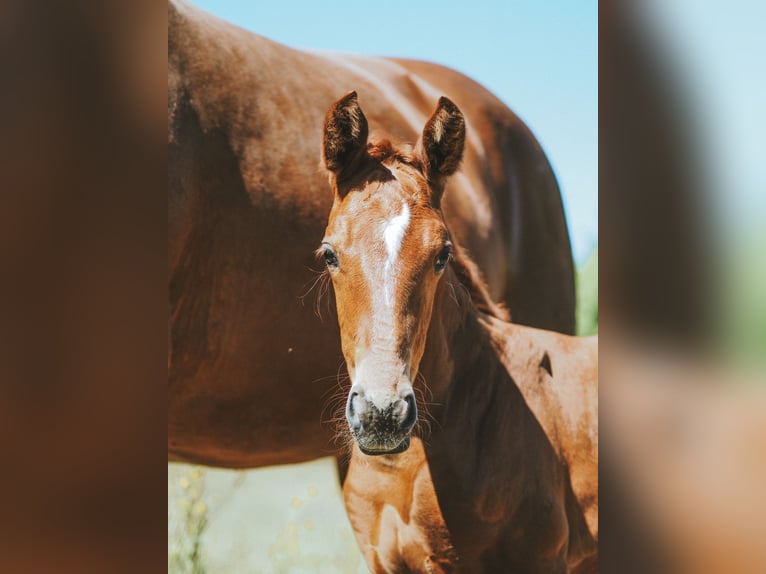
(442,142)
(345,134)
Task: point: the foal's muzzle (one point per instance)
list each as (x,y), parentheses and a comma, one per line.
(379,430)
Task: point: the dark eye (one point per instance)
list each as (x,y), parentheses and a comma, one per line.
(441,260)
(330,259)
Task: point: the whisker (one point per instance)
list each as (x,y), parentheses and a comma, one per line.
(325,378)
(425,387)
(336,406)
(321,285)
(454,295)
(467,292)
(336,389)
(313,282)
(321,292)
(324,294)
(423,426)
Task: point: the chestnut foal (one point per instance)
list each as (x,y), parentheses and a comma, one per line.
(500,474)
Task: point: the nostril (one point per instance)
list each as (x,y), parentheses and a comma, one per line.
(411,411)
(351,413)
(352,417)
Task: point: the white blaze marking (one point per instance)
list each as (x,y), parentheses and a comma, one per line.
(393,234)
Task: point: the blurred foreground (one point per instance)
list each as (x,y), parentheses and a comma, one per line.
(683,463)
(682,394)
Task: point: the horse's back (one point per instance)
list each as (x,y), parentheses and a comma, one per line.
(504,205)
(538,278)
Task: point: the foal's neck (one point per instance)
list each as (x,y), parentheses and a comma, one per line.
(459,340)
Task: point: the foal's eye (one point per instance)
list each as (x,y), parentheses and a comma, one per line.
(441,260)
(330,259)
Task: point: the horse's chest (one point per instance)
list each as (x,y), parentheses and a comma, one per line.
(414,543)
(397,517)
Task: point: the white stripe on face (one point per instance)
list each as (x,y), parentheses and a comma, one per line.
(393,234)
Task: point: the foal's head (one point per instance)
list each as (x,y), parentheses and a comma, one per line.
(386,248)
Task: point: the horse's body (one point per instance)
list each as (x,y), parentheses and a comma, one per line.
(507,478)
(504,477)
(247,205)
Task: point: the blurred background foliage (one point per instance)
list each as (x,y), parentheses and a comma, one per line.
(742,286)
(586,285)
(274,520)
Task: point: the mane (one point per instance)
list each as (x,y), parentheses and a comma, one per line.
(465,269)
(470,277)
(384,150)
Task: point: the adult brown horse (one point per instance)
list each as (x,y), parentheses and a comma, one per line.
(247,203)
(507,479)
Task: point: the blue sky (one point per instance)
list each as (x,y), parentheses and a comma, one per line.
(539,56)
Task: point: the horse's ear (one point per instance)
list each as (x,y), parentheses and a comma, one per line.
(345,134)
(442,142)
